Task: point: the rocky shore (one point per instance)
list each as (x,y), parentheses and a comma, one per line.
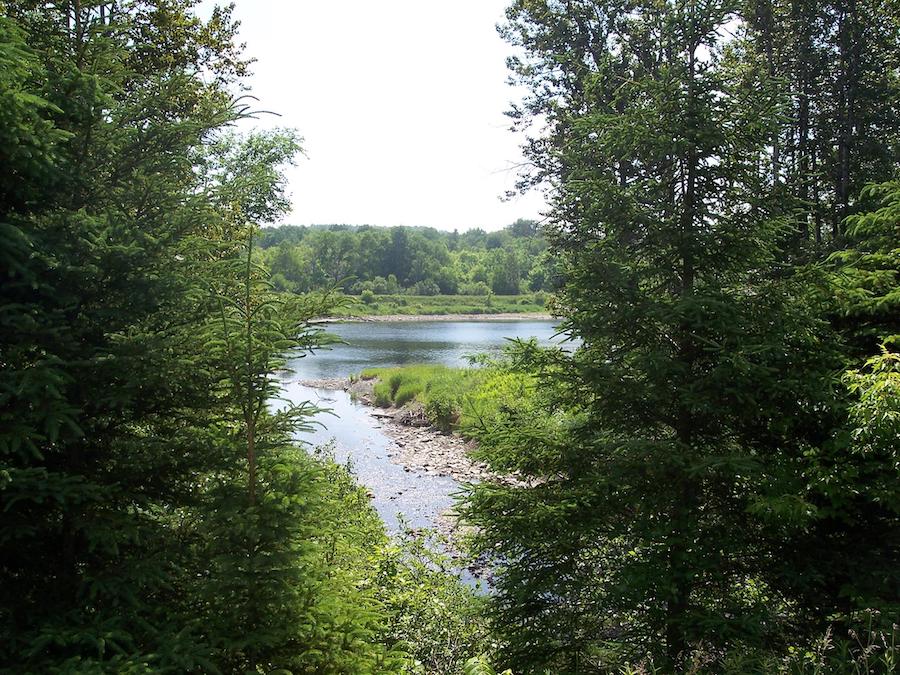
(417,445)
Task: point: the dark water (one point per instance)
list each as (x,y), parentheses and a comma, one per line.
(416,497)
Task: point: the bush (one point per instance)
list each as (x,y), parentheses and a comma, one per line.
(443,413)
(498,393)
(427,287)
(440,620)
(478,288)
(367,296)
(379,286)
(406,393)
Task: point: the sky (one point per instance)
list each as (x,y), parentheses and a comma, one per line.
(400,104)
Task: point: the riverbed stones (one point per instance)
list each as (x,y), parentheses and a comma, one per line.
(431,451)
(412,415)
(329,384)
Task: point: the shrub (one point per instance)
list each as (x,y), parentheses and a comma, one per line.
(443,413)
(477,288)
(406,393)
(427,287)
(367,296)
(440,620)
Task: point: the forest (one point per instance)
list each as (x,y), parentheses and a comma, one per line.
(417,261)
(707,482)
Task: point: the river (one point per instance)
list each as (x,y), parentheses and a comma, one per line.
(397,492)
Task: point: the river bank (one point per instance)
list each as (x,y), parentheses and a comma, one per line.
(417,446)
(420,452)
(412,473)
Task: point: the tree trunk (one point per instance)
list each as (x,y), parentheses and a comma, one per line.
(803,163)
(848,58)
(684,509)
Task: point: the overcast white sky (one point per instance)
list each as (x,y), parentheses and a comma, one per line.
(400,103)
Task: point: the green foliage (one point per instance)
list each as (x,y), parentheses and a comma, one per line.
(865,650)
(498,393)
(875,412)
(694,472)
(866,274)
(28,136)
(405,393)
(156,514)
(476,303)
(439,389)
(469,400)
(438,618)
(836,71)
(417,261)
(479,665)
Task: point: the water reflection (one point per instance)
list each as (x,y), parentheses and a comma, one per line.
(416,497)
(374,344)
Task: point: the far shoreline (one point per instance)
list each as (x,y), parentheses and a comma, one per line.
(400,318)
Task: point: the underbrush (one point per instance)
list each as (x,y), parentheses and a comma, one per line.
(441,622)
(426,618)
(868,649)
(381,305)
(454,399)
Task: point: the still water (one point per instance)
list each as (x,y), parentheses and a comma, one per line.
(379,344)
(397,493)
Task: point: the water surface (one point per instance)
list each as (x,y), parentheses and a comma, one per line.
(414,496)
(377,344)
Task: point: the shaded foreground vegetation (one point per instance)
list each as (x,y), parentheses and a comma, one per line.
(721,489)
(156,515)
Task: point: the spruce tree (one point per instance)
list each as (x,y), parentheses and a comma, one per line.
(664,482)
(133,539)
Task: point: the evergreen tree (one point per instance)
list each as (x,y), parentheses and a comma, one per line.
(665,468)
(103,324)
(837,64)
(155,515)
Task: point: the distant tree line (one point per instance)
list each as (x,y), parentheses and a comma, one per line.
(414,260)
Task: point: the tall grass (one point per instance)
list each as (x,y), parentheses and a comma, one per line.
(440,389)
(457,399)
(381,305)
